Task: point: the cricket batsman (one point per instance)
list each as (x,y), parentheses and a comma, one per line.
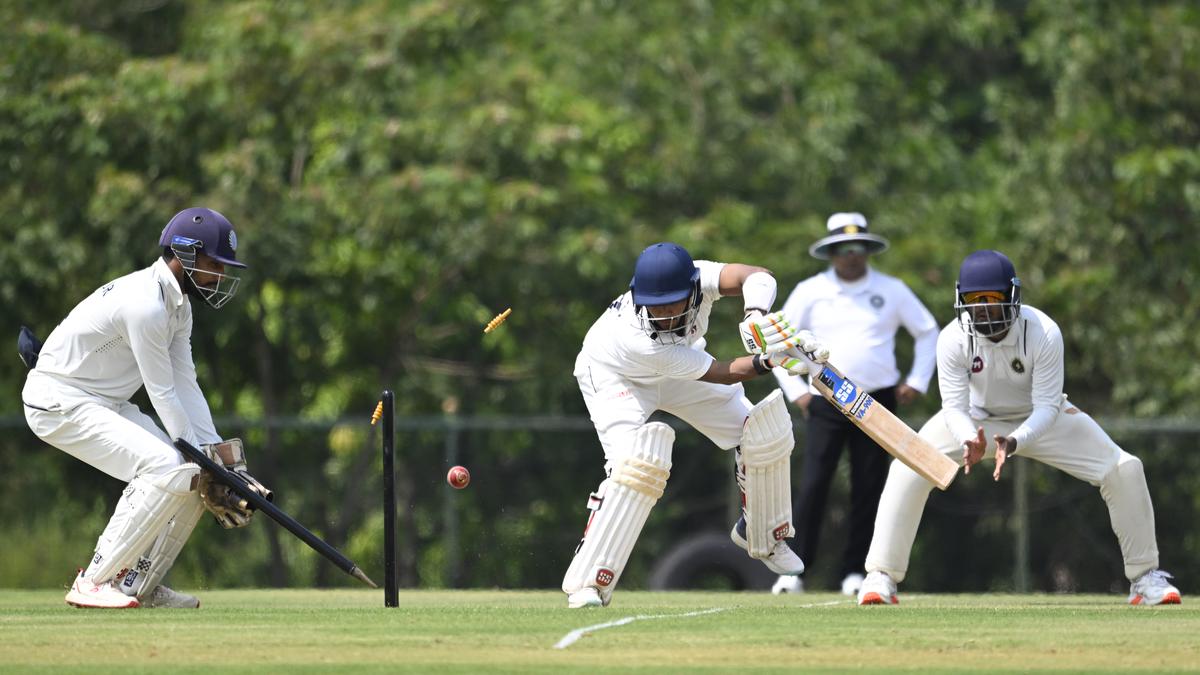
(1000,371)
(646,352)
(130,333)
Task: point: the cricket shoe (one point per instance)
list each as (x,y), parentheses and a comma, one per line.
(588,596)
(1152,588)
(88,595)
(781,560)
(878,589)
(165,598)
(852,583)
(788,583)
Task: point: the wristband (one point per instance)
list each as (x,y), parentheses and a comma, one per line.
(760,367)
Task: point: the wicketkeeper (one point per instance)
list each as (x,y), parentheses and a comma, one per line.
(135,332)
(646,353)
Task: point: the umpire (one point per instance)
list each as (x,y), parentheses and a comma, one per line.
(857,311)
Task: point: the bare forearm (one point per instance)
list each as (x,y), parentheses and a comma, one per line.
(731,372)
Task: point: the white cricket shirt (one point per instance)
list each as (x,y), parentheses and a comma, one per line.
(134,331)
(858,321)
(617,343)
(1020,377)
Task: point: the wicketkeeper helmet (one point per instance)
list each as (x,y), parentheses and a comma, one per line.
(200,230)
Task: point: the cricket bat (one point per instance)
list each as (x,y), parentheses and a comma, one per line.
(889,431)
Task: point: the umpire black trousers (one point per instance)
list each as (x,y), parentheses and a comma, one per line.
(828,433)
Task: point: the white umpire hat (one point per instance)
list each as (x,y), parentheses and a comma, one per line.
(847,227)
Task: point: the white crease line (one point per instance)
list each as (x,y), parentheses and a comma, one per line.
(823,604)
(570,638)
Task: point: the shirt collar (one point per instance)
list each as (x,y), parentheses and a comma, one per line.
(850,287)
(172,293)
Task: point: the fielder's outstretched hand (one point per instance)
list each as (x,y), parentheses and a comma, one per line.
(973,450)
(1005,446)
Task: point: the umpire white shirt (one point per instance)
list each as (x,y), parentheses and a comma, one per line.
(858,321)
(134,331)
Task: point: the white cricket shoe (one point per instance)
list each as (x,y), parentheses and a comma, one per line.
(852,583)
(781,560)
(788,583)
(878,589)
(587,596)
(1152,588)
(163,597)
(88,595)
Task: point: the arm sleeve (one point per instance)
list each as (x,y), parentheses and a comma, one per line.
(1047,389)
(710,278)
(955,386)
(921,325)
(677,362)
(148,333)
(188,389)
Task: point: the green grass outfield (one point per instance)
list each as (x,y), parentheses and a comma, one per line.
(516,631)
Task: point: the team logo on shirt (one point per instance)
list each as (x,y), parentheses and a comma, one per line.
(877,301)
(977,364)
(1017,366)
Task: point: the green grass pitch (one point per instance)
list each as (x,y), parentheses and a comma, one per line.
(298,631)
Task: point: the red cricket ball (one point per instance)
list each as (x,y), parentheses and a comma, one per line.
(458,477)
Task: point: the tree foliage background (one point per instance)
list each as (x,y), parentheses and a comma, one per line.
(399,172)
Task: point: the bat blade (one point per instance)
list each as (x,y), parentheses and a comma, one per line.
(889,431)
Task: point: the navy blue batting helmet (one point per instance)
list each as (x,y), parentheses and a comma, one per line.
(665,273)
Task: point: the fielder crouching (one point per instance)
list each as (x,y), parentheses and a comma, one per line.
(646,353)
(1000,372)
(132,332)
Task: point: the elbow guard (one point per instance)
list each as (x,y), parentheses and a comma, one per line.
(758,292)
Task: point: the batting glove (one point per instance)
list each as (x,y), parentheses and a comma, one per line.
(766,333)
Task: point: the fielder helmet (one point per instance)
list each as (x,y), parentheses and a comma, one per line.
(987,296)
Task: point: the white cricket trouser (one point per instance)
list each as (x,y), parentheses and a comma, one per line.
(619,406)
(116,438)
(1074,444)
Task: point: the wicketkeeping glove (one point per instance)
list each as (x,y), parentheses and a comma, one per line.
(228,508)
(766,333)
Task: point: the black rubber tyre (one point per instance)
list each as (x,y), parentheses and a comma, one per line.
(709,561)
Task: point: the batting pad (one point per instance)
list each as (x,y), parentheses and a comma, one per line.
(766,455)
(141,578)
(620,509)
(152,502)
